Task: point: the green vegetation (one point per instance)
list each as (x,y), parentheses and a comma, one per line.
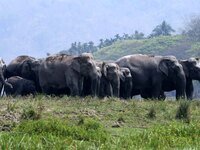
(177,45)
(91,123)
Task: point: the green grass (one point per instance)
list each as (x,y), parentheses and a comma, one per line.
(91,123)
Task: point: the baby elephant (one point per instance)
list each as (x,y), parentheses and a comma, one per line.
(21,86)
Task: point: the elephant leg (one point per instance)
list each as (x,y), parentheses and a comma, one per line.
(128,89)
(189,89)
(146,93)
(94,86)
(108,90)
(156,91)
(46,90)
(135,92)
(162,95)
(80,86)
(156,87)
(74,89)
(103,87)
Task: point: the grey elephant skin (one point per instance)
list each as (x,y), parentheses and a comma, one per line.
(62,72)
(151,73)
(191,69)
(125,83)
(2,74)
(110,79)
(21,87)
(26,67)
(90,85)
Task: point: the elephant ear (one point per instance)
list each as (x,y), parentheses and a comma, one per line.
(163,66)
(104,69)
(76,64)
(186,66)
(122,76)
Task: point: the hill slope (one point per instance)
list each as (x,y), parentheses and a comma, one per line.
(176,45)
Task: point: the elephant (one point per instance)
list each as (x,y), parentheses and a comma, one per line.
(21,86)
(63,71)
(126,84)
(2,73)
(87,83)
(151,75)
(26,67)
(191,69)
(110,79)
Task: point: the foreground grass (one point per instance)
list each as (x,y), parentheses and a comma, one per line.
(89,123)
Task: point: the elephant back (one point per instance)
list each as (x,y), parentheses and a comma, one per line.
(21,59)
(57,57)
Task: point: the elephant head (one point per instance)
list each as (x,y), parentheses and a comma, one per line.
(29,70)
(2,80)
(85,66)
(169,65)
(191,68)
(18,66)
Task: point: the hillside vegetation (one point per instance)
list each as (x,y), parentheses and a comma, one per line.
(89,123)
(177,45)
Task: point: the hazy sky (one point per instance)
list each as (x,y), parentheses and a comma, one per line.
(35,27)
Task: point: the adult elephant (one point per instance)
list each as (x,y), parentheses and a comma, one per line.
(191,69)
(26,67)
(90,85)
(152,73)
(21,86)
(126,83)
(65,71)
(110,79)
(2,79)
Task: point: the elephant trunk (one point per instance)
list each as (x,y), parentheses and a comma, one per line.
(115,87)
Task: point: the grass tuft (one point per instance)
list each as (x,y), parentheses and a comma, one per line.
(29,113)
(183,112)
(152,113)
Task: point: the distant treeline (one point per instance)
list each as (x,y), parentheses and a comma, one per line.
(191,29)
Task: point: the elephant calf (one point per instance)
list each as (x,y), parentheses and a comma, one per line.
(21,86)
(125,83)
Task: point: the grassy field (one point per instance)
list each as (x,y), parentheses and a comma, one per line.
(90,123)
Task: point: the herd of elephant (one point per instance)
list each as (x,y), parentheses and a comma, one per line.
(145,75)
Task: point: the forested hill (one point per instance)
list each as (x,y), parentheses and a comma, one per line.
(177,45)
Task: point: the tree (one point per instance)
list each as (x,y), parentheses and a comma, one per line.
(138,35)
(162,29)
(192,28)
(125,36)
(91,46)
(117,37)
(101,43)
